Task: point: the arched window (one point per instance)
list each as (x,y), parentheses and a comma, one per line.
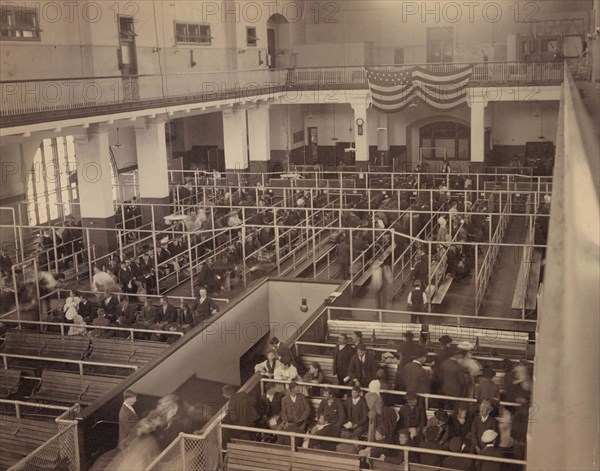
(455,138)
(52,181)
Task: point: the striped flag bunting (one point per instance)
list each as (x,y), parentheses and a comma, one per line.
(394,90)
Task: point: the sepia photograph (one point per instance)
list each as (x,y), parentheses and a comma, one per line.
(300,235)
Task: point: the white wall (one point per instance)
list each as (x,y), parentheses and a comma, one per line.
(516,123)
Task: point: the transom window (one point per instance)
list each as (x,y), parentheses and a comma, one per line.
(192,33)
(451,139)
(19,24)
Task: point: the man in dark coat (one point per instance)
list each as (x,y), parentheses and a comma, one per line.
(168,313)
(343,256)
(128,416)
(416,379)
(204,306)
(362,368)
(357,415)
(270,406)
(453,376)
(441,357)
(283,351)
(342,355)
(487,440)
(333,409)
(243,410)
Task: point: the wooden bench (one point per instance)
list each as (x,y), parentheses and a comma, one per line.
(245,455)
(362,279)
(73,388)
(125,351)
(20,437)
(383,330)
(70,347)
(489,338)
(442,290)
(311,460)
(9,382)
(20,342)
(528,280)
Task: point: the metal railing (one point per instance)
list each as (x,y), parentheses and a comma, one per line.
(61,94)
(59,452)
(406,450)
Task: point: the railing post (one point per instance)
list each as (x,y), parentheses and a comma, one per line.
(182,450)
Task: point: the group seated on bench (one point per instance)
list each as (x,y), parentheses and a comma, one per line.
(20,437)
(466,428)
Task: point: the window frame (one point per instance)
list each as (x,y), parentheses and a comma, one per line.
(461,131)
(17,26)
(187,24)
(254,38)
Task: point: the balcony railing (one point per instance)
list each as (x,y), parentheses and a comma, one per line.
(53,99)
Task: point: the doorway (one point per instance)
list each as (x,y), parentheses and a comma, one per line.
(128,57)
(271,50)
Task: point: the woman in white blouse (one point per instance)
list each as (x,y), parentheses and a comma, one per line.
(285,371)
(267,368)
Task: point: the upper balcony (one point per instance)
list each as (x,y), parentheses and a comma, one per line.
(36,101)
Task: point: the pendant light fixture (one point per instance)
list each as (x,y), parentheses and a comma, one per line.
(118,145)
(334,138)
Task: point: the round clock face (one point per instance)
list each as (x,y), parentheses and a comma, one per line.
(360,121)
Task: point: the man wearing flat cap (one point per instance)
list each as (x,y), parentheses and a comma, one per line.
(488,439)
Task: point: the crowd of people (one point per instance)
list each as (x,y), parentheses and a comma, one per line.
(370,411)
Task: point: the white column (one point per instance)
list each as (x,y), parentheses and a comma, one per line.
(383,133)
(94,189)
(235,138)
(478,130)
(94,183)
(361,141)
(259,134)
(153,168)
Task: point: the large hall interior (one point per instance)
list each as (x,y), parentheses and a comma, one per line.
(300,235)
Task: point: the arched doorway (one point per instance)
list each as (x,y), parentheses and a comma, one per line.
(278,42)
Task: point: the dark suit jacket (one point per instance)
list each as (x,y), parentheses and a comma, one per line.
(489,465)
(271,408)
(129,311)
(168,315)
(357,414)
(363,371)
(86,311)
(341,359)
(243,409)
(111,307)
(334,413)
(416,378)
(202,310)
(127,422)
